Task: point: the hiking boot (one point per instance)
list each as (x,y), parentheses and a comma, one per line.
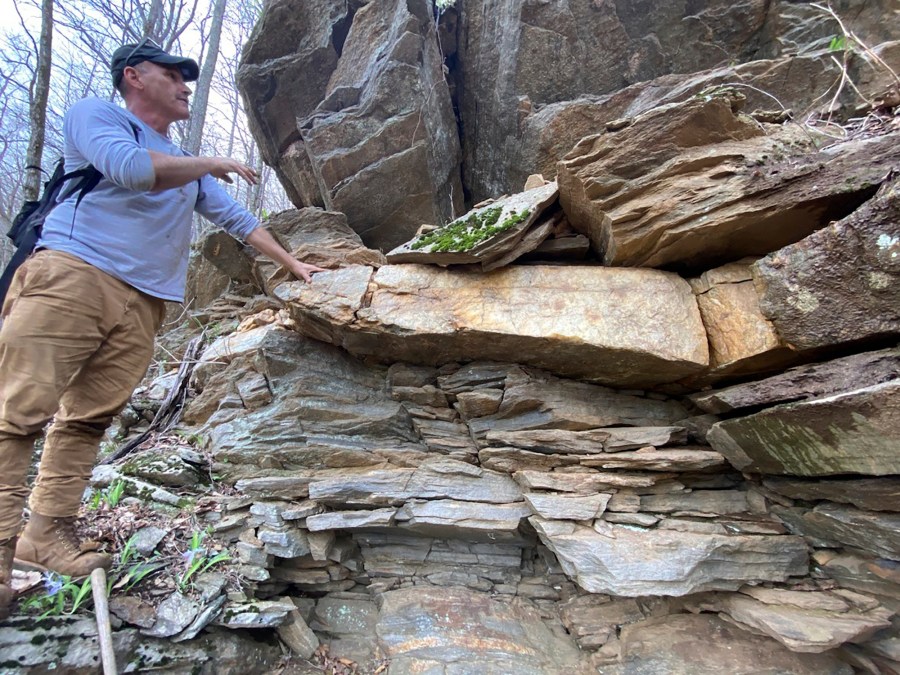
(50,544)
(7,550)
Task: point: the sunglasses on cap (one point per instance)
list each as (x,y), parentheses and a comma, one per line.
(143,43)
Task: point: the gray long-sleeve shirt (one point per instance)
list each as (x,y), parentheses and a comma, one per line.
(120,227)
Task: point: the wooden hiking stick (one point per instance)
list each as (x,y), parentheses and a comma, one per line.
(104,630)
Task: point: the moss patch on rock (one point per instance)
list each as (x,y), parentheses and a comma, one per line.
(463,234)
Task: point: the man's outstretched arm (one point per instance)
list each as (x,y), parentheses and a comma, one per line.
(172,172)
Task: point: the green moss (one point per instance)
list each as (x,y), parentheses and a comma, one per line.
(465,233)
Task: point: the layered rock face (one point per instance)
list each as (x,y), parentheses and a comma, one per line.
(617,455)
(677,454)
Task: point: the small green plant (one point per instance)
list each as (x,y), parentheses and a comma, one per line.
(189,437)
(62,596)
(838,43)
(111,496)
(198,559)
(444,5)
(130,569)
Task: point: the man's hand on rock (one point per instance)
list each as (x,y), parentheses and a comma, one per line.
(303,270)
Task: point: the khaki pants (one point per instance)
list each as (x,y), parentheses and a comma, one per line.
(74,344)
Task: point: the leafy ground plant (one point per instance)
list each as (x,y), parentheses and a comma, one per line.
(111,496)
(62,596)
(198,559)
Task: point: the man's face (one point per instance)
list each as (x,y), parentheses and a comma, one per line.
(165,90)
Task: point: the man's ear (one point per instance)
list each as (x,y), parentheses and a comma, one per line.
(132,76)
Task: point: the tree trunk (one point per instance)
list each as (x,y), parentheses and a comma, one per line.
(153,20)
(38,108)
(201,95)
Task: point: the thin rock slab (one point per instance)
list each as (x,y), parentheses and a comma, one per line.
(442,247)
(876,533)
(427,629)
(800,629)
(584,482)
(568,507)
(534,400)
(718,502)
(806,382)
(590,441)
(873,494)
(633,561)
(256,614)
(511,460)
(880,578)
(852,432)
(629,328)
(842,283)
(436,479)
(551,441)
(351,520)
(474,521)
(652,459)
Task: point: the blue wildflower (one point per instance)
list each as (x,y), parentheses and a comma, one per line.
(53,583)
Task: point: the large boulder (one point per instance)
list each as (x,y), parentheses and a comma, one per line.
(842,283)
(518,55)
(375,136)
(753,188)
(293,42)
(621,327)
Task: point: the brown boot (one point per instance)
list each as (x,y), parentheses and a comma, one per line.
(50,544)
(7,549)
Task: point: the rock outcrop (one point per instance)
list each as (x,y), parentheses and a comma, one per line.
(785,86)
(374,135)
(471,455)
(752,190)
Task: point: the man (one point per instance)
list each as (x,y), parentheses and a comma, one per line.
(82,311)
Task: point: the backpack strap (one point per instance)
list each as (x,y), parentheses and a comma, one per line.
(88,178)
(25,249)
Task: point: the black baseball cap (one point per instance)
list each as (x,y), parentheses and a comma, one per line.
(148,50)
